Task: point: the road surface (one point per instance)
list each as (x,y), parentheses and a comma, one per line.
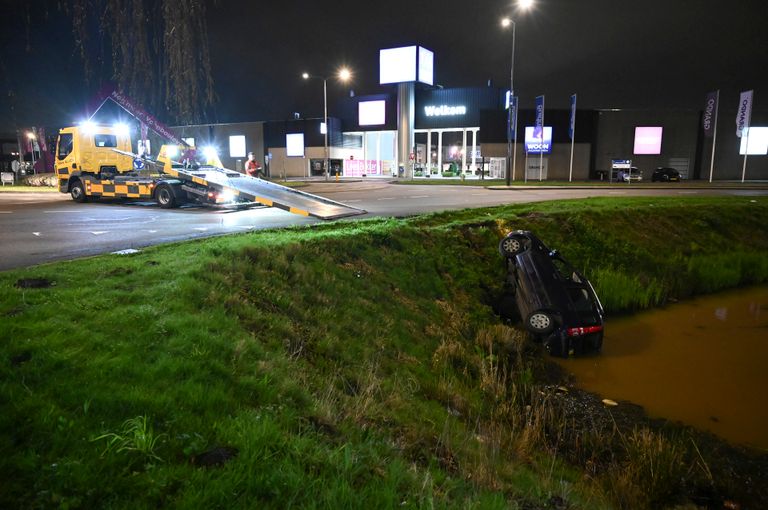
(44,227)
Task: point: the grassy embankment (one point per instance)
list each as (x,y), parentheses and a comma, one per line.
(349,365)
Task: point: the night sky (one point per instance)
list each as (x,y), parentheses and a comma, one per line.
(614,54)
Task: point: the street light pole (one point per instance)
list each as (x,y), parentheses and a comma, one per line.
(512,150)
(325,121)
(511,153)
(32,139)
(343,75)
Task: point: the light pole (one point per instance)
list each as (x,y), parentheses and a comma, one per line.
(32,139)
(512,154)
(343,75)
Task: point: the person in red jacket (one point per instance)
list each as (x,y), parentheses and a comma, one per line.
(252,167)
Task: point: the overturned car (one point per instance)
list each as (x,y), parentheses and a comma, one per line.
(556,303)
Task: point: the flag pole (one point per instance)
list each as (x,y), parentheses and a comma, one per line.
(541,141)
(573,137)
(714,137)
(746,151)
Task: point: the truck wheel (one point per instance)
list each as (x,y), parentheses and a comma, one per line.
(165,197)
(539,323)
(77,192)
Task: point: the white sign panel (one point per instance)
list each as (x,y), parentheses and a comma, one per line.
(294,144)
(372,113)
(756,138)
(426,66)
(397,65)
(648,139)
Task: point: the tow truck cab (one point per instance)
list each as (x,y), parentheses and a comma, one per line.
(88,150)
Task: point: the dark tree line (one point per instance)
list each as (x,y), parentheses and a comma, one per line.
(155,51)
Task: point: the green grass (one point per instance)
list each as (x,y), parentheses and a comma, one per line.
(355,364)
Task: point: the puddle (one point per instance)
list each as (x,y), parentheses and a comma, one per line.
(702,362)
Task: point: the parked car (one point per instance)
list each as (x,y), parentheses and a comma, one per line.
(631,175)
(556,302)
(665,174)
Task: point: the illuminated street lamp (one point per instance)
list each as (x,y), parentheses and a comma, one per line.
(32,139)
(343,75)
(522,5)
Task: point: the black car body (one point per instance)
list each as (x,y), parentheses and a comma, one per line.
(665,174)
(557,303)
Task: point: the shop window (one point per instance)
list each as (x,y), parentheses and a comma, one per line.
(352,141)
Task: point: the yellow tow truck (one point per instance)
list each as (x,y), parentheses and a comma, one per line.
(94,161)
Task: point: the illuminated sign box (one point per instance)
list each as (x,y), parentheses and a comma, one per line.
(757,139)
(372,113)
(538,145)
(406,64)
(648,140)
(426,66)
(294,144)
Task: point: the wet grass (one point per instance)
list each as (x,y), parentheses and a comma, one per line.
(349,365)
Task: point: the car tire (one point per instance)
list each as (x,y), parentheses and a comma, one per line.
(165,197)
(77,191)
(540,322)
(555,346)
(512,245)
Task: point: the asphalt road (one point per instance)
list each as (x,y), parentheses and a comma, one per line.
(42,227)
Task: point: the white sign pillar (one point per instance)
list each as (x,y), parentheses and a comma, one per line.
(406,115)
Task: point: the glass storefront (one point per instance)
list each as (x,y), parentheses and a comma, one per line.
(376,158)
(449,153)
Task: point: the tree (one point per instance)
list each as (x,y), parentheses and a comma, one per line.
(155,51)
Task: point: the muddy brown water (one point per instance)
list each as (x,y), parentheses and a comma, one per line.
(702,362)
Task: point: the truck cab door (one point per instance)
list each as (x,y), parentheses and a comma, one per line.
(65,157)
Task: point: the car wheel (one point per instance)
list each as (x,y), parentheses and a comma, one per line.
(540,323)
(164,196)
(512,245)
(77,192)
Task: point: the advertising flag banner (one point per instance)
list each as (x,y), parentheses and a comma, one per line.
(710,114)
(744,112)
(572,124)
(512,118)
(538,128)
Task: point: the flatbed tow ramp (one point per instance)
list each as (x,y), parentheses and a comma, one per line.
(253,189)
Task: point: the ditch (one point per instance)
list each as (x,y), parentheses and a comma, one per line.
(700,362)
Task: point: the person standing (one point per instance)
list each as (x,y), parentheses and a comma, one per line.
(252,167)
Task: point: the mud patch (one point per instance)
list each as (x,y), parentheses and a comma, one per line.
(34,283)
(215,457)
(21,358)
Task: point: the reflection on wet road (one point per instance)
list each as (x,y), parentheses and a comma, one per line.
(702,362)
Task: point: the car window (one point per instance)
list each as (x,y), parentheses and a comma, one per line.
(65,145)
(565,270)
(105,140)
